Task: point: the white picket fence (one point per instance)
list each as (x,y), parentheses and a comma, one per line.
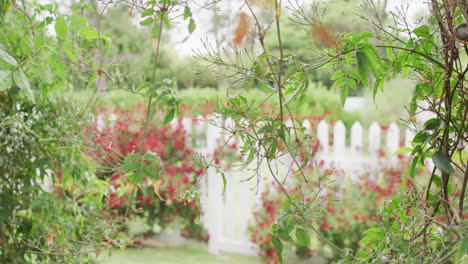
(226,216)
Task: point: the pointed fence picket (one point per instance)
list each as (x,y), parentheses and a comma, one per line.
(226,213)
(241,197)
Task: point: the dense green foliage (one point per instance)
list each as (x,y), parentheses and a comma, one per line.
(50,200)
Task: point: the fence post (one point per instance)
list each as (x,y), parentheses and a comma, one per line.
(357,133)
(244,195)
(339,148)
(374,147)
(322,137)
(393,143)
(229,191)
(215,189)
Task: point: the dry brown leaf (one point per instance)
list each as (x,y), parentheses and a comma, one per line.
(324,35)
(278,10)
(50,238)
(100,251)
(242,29)
(154,43)
(156,189)
(129,187)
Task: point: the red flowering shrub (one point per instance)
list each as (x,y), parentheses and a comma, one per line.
(159,201)
(264,218)
(347,209)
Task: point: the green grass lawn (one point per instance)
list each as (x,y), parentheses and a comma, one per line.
(191,255)
(173,255)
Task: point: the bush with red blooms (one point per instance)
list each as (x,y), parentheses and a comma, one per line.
(159,201)
(348,210)
(264,218)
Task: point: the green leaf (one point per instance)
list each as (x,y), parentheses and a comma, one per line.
(61,28)
(338,83)
(420,137)
(413,167)
(402,150)
(372,58)
(191,26)
(442,162)
(8,59)
(274,146)
(337,74)
(462,249)
(224,181)
(187,12)
(169,116)
(166,21)
(281,134)
(147,12)
(352,83)
(432,124)
(279,248)
(265,129)
(5,80)
(353,74)
(22,81)
(89,33)
(131,163)
(344,94)
(375,232)
(376,88)
(362,67)
(363,35)
(148,21)
(156,30)
(422,31)
(302,237)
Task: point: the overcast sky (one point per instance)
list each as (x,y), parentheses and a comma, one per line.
(203,22)
(230,8)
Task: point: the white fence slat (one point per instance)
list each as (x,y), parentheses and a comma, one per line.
(393,143)
(322,137)
(289,123)
(229,206)
(339,139)
(409,135)
(244,209)
(215,188)
(374,139)
(374,147)
(244,198)
(308,127)
(357,134)
(230,125)
(339,149)
(174,123)
(187,125)
(214,203)
(200,129)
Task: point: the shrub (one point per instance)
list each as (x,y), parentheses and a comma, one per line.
(161,201)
